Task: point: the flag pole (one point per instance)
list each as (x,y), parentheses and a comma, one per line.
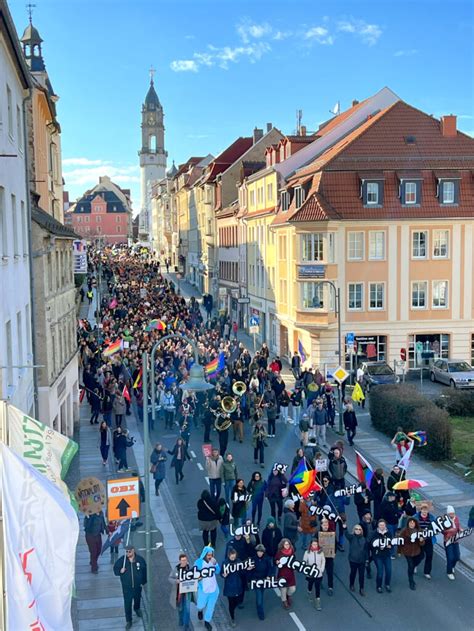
(128,540)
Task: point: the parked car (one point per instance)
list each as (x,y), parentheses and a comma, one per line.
(378,373)
(456,373)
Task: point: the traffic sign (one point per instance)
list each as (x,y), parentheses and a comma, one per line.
(340,374)
(350,340)
(253,329)
(254,320)
(123,498)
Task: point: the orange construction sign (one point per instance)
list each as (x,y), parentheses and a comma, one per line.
(123,498)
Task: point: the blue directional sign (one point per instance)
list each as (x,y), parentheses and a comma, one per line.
(350,339)
(254,320)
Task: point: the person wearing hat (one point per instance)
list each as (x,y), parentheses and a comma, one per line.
(263,568)
(271,537)
(453,553)
(291,527)
(133,575)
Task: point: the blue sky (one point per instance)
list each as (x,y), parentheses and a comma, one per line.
(224,67)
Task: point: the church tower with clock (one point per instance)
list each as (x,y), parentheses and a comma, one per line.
(152,154)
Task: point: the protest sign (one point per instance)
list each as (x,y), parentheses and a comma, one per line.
(311,571)
(207,450)
(348,490)
(185,587)
(90,496)
(327,541)
(195,574)
(270,582)
(279,466)
(245,530)
(237,566)
(321,464)
(459,535)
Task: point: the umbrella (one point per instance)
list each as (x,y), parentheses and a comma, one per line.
(404,485)
(159,325)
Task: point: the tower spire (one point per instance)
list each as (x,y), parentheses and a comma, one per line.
(152,75)
(29,8)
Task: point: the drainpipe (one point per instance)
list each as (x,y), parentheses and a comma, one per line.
(26,101)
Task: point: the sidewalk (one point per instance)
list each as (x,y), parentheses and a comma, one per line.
(443,487)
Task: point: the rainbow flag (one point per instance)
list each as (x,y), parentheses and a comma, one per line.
(301,351)
(304,479)
(420,437)
(138,380)
(364,470)
(159,325)
(113,348)
(215,366)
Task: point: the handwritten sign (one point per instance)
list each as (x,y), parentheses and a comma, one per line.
(207,450)
(321,464)
(460,535)
(90,495)
(327,541)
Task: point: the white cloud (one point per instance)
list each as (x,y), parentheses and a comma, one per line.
(88,176)
(281,35)
(466,116)
(249,30)
(319,34)
(83,162)
(406,53)
(184,65)
(368,33)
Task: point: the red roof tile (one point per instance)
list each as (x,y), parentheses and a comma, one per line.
(225,159)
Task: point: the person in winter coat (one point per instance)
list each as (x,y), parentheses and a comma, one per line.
(271,537)
(285,549)
(290,522)
(299,456)
(368,527)
(224,517)
(350,423)
(358,554)
(362,500)
(377,489)
(94,528)
(122,441)
(308,522)
(229,475)
(96,403)
(296,400)
(381,543)
(284,402)
(304,427)
(214,465)
(119,408)
(412,548)
(180,455)
(453,553)
(424,518)
(239,503)
(391,514)
(338,469)
(208,518)
(256,490)
(107,407)
(259,436)
(315,556)
(182,601)
(320,421)
(233,583)
(158,460)
(329,526)
(208,589)
(133,575)
(263,568)
(275,485)
(105,440)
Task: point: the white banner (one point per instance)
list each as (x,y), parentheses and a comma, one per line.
(43,448)
(40,534)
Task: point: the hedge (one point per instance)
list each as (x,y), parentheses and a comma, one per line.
(403,405)
(457,402)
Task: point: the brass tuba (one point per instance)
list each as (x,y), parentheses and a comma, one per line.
(239,388)
(229,404)
(222,422)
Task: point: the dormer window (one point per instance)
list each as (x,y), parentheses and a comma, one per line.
(410,192)
(299,196)
(448,191)
(285,200)
(372,192)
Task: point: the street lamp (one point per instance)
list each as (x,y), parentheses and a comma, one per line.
(195,383)
(337,310)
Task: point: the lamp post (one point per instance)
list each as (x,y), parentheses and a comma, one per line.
(337,310)
(195,383)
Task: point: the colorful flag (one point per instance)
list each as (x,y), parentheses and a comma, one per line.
(82,392)
(175,323)
(405,460)
(304,479)
(113,348)
(113,303)
(116,535)
(358,394)
(420,437)
(301,351)
(126,394)
(159,325)
(48,451)
(215,366)
(138,380)
(41,531)
(364,470)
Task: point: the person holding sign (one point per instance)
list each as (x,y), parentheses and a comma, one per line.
(453,553)
(327,542)
(179,598)
(381,543)
(132,571)
(233,583)
(412,548)
(263,568)
(315,556)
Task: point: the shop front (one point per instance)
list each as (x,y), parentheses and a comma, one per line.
(425,348)
(367,348)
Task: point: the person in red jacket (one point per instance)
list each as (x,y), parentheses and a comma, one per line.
(286,549)
(453,553)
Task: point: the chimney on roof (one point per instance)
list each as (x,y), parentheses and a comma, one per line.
(257,135)
(448,126)
(269,127)
(355,102)
(303,130)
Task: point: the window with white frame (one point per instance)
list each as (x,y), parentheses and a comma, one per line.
(372,192)
(419,291)
(419,244)
(285,200)
(410,192)
(270,192)
(331,247)
(312,247)
(252,197)
(440,244)
(312,295)
(355,296)
(260,195)
(447,192)
(376,296)
(355,246)
(299,196)
(377,245)
(439,298)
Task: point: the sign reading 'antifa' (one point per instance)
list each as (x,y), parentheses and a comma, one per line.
(348,490)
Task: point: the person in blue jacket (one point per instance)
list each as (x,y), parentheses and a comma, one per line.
(233,582)
(263,569)
(208,589)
